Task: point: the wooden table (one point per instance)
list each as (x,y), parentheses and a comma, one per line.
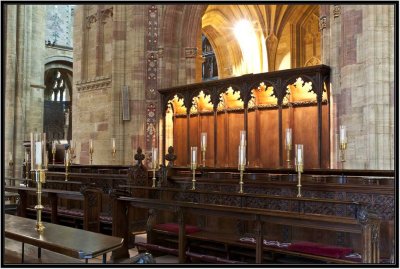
(68,241)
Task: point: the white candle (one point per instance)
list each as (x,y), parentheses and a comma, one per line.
(288,136)
(194,155)
(53,146)
(343,136)
(299,154)
(90,144)
(155,157)
(10,156)
(203,141)
(242,138)
(38,153)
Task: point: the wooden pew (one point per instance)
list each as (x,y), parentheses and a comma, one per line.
(89,196)
(68,241)
(364,225)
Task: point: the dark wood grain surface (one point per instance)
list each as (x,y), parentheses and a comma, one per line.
(68,241)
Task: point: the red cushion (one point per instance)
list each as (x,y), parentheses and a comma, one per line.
(174,228)
(320,249)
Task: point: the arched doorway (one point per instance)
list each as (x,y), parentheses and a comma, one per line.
(57,116)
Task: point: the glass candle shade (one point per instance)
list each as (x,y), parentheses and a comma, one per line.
(38,149)
(343,134)
(288,138)
(299,154)
(242,138)
(203,141)
(242,156)
(193,155)
(154,153)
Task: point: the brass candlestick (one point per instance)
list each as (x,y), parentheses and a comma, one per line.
(38,161)
(343,147)
(299,170)
(154,178)
(241,169)
(53,151)
(299,161)
(113,153)
(193,166)
(40,177)
(91,155)
(67,163)
(203,153)
(288,149)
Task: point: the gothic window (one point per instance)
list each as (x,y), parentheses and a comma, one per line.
(209,68)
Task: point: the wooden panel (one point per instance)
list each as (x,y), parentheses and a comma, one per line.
(180,142)
(194,135)
(305,131)
(236,124)
(207,126)
(222,121)
(269,146)
(253,133)
(325,137)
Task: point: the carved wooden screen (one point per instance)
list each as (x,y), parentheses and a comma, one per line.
(263,105)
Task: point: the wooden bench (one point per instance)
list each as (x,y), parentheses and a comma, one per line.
(365,225)
(68,241)
(90,198)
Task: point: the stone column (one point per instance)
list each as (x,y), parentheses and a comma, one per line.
(10,83)
(24,77)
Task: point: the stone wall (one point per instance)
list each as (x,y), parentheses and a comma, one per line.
(358,44)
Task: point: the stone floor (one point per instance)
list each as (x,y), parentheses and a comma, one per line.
(12,255)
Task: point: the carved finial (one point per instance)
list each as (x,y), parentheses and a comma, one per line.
(139,156)
(170,157)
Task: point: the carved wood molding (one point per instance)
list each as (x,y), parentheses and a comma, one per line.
(97,83)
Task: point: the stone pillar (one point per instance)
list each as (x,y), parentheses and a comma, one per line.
(24,78)
(358,45)
(10,84)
